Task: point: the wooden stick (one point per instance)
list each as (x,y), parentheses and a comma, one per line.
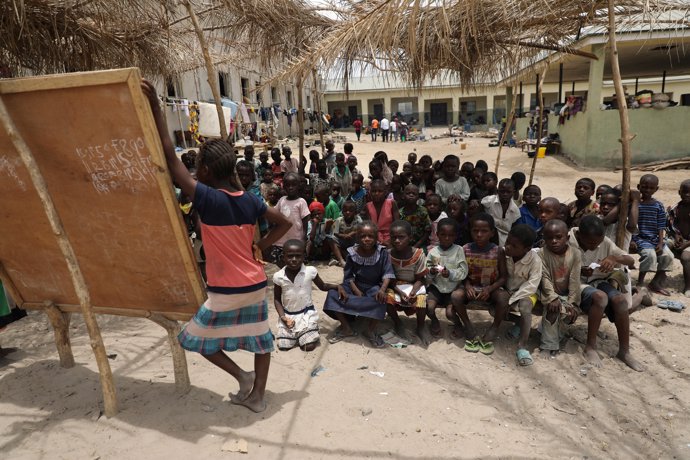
(60,323)
(300,117)
(509,125)
(212,75)
(78,281)
(626,137)
(182,383)
(317,105)
(540,95)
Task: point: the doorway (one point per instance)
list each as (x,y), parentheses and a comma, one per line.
(439,113)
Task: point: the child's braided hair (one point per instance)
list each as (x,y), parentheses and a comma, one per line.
(219,157)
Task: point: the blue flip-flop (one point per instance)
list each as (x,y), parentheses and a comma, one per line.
(524,358)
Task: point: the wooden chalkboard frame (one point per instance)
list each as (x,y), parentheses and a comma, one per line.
(59,314)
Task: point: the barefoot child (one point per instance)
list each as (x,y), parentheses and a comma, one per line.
(655,256)
(344,232)
(487,274)
(296,210)
(599,297)
(529,211)
(366,277)
(317,233)
(524,275)
(679,232)
(381,211)
(447,267)
(298,323)
(417,216)
(560,285)
(235,315)
(609,207)
(408,293)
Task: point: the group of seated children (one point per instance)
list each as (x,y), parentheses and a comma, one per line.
(452,236)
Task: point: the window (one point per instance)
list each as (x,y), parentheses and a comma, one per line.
(405,108)
(224,84)
(245,88)
(257,88)
(172,87)
(468,108)
(308,101)
(289,99)
(274,95)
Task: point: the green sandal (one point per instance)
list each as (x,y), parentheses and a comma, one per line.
(471,346)
(486,348)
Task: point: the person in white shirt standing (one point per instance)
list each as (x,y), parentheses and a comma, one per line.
(394,129)
(385,129)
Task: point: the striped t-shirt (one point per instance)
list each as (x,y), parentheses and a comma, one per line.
(652,218)
(482,264)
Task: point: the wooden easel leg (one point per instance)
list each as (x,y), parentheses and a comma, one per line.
(182,383)
(60,323)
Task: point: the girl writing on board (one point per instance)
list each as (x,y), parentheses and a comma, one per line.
(235,316)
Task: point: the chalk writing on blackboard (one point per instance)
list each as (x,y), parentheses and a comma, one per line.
(121,164)
(8,166)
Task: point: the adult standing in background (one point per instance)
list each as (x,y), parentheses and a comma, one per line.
(394,129)
(357,124)
(385,127)
(374,129)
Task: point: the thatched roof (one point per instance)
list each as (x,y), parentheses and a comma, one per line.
(475,40)
(44,36)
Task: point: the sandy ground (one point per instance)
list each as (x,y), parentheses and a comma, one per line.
(435,403)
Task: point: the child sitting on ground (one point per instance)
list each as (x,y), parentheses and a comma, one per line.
(298,323)
(358,194)
(457,212)
(519,180)
(341,174)
(452,183)
(417,216)
(502,208)
(381,211)
(296,210)
(418,179)
(529,212)
(408,293)
(600,256)
(344,233)
(560,285)
(487,274)
(266,182)
(447,267)
(336,196)
(466,171)
(609,207)
(367,274)
(321,178)
(583,205)
(650,241)
(433,208)
(275,167)
(317,233)
(322,194)
(489,187)
(679,232)
(523,266)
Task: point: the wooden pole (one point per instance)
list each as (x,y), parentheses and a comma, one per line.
(179,118)
(182,384)
(78,281)
(540,99)
(626,137)
(317,105)
(60,322)
(509,125)
(300,117)
(210,70)
(560,83)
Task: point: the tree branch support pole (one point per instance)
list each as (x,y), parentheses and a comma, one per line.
(60,322)
(626,136)
(509,127)
(78,281)
(210,70)
(182,383)
(300,116)
(540,96)
(317,106)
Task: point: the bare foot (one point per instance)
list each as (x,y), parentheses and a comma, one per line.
(630,361)
(490,335)
(554,353)
(592,357)
(456,332)
(246,385)
(253,403)
(424,336)
(402,332)
(435,327)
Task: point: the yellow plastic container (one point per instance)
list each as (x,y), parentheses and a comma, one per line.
(542,152)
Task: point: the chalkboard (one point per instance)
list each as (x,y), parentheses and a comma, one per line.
(96,144)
